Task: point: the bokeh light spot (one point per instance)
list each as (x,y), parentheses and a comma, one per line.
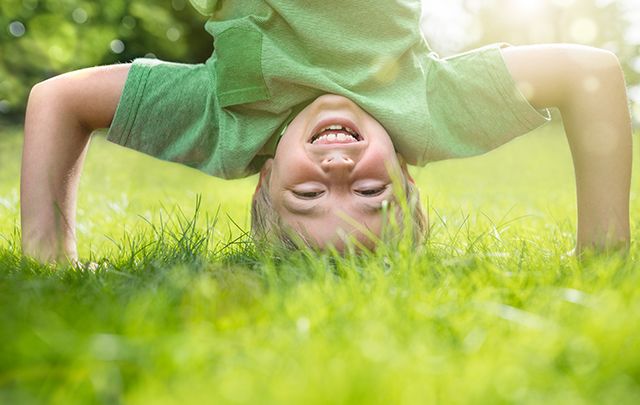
(584,30)
(17,29)
(117,46)
(58,53)
(4,106)
(604,3)
(527,6)
(542,33)
(632,35)
(563,3)
(79,15)
(30,4)
(635,64)
(635,111)
(591,84)
(303,325)
(173,34)
(178,5)
(634,93)
(129,22)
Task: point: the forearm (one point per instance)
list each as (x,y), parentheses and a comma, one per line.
(598,127)
(54,148)
(61,114)
(587,85)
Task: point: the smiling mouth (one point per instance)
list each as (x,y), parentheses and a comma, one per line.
(335,134)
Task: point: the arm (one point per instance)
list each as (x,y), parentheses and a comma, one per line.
(587,85)
(62,112)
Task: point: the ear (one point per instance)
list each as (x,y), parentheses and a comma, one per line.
(266,168)
(264,173)
(405,168)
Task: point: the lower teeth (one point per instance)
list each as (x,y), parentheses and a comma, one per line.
(333,138)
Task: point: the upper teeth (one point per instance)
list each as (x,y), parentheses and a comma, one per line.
(345,134)
(333,137)
(338,128)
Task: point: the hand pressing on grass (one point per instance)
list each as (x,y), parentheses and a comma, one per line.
(587,85)
(89,266)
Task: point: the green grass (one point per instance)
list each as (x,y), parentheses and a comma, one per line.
(181,309)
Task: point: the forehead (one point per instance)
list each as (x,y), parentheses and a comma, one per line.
(333,227)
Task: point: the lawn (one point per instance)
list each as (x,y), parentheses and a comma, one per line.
(183,309)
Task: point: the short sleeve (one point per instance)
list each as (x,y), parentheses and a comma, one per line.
(475,105)
(169,111)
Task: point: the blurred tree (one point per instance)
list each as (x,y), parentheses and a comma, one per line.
(43,38)
(600,23)
(460,25)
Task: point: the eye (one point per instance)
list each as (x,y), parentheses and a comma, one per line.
(307,195)
(371,192)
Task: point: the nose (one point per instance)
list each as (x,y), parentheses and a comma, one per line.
(337,162)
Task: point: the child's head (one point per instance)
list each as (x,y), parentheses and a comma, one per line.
(330,177)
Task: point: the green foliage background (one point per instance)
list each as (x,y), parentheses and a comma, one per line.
(63,35)
(615,24)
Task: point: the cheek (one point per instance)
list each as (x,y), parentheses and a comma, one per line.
(380,161)
(291,171)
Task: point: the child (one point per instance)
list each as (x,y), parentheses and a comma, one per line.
(329,100)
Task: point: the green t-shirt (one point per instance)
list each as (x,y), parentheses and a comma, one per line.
(274,57)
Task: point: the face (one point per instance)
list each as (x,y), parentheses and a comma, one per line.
(332,173)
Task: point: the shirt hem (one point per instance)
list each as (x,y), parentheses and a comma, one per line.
(525,114)
(127,109)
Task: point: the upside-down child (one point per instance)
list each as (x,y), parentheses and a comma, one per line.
(329,100)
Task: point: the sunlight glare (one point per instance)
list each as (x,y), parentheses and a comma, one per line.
(563,3)
(584,30)
(591,84)
(635,112)
(527,7)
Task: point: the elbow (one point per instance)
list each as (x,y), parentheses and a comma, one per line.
(596,69)
(37,105)
(605,80)
(591,73)
(607,64)
(44,90)
(43,97)
(51,99)
(36,96)
(604,59)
